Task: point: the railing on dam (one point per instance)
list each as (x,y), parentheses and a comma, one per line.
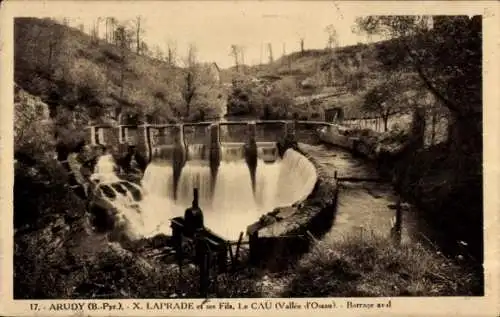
(160,140)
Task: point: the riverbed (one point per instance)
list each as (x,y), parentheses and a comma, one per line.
(363,206)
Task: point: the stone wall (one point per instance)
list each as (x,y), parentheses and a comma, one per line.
(284,232)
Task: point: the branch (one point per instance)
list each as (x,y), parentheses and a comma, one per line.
(450,105)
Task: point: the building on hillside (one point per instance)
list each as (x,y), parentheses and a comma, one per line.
(213,71)
(334,114)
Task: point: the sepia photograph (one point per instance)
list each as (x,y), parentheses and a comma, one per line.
(290,151)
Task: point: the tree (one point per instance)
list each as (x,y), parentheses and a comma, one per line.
(110,29)
(190,87)
(446,54)
(242,54)
(123,40)
(248,99)
(158,53)
(55,42)
(381,99)
(270,51)
(171,53)
(235,53)
(332,41)
(95,30)
(302,46)
(138,35)
(331,44)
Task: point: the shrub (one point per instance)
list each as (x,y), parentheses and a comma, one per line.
(33,131)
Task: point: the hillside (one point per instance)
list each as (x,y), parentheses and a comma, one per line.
(320,79)
(68,68)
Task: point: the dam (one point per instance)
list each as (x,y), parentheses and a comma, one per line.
(242,170)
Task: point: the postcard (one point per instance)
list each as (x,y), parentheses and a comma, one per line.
(222,158)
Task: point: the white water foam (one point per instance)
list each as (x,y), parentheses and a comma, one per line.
(228,209)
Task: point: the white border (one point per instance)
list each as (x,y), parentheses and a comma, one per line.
(473,306)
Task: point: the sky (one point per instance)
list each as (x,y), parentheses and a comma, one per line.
(214,26)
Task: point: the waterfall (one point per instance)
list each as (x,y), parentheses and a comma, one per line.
(104,170)
(233,205)
(296,180)
(229,207)
(266,185)
(158,180)
(196,152)
(194,175)
(233,152)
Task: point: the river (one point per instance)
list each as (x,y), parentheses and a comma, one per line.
(362,206)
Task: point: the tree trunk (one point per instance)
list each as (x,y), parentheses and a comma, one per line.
(433,126)
(49,60)
(138,49)
(122,81)
(466,146)
(418,128)
(386,119)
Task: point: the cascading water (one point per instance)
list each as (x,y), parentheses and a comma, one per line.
(233,205)
(195,174)
(228,209)
(233,152)
(297,179)
(104,170)
(196,151)
(266,184)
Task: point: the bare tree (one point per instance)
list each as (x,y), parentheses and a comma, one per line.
(331,44)
(138,32)
(112,28)
(93,32)
(270,50)
(261,49)
(332,40)
(171,53)
(108,29)
(242,54)
(302,46)
(235,53)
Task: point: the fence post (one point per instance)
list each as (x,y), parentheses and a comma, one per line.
(397,226)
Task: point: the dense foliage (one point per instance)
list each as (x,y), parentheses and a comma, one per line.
(447,59)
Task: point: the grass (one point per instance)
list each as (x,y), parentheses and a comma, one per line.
(364,264)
